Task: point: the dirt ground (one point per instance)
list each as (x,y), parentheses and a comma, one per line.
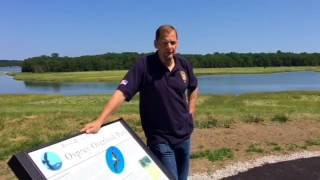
(273,138)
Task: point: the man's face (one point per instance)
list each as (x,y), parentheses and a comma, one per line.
(167,45)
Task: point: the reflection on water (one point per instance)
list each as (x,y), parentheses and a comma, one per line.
(8,85)
(218,84)
(247,83)
(71,88)
(39,85)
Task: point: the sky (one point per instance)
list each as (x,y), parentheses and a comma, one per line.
(30,28)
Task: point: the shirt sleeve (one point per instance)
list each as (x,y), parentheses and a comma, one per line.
(131,82)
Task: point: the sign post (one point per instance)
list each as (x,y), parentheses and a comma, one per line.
(115,152)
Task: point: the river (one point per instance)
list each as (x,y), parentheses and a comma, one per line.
(234,84)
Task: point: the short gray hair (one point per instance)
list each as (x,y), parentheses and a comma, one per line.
(165,28)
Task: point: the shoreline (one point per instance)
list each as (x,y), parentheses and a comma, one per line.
(117,75)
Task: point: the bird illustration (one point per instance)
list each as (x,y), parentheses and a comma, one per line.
(115,161)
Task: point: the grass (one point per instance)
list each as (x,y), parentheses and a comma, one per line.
(253,119)
(206,124)
(28,121)
(214,155)
(280,118)
(313,142)
(265,107)
(255,148)
(116,75)
(220,154)
(275,147)
(86,76)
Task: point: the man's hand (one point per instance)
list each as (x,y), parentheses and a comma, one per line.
(92,127)
(116,100)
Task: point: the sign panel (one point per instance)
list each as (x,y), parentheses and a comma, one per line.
(115,152)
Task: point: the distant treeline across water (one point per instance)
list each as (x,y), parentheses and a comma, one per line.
(5,63)
(114,61)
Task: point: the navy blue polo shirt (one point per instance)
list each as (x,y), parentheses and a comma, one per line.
(164,110)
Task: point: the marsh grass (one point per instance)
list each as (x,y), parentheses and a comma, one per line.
(86,76)
(115,76)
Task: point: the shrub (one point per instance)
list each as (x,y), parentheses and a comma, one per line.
(313,142)
(255,148)
(205,124)
(253,119)
(280,118)
(215,155)
(220,154)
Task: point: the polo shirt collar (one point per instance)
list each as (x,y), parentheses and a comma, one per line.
(177,66)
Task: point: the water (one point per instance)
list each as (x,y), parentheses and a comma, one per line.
(216,84)
(250,83)
(4,70)
(8,85)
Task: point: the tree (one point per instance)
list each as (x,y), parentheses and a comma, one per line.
(54,55)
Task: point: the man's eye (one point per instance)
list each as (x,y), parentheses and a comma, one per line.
(171,43)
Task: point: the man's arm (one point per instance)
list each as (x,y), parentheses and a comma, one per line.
(113,104)
(192,97)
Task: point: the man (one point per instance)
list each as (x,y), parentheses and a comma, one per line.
(162,79)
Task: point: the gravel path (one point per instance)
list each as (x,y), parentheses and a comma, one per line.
(239,167)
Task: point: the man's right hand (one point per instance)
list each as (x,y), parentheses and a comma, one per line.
(116,100)
(92,127)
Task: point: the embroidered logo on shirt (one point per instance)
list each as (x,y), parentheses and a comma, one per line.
(124,82)
(183,76)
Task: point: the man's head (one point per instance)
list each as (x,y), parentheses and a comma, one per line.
(166,42)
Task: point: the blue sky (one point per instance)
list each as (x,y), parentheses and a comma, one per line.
(31,28)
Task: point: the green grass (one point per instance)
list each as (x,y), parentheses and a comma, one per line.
(280,118)
(313,142)
(214,155)
(253,119)
(220,154)
(259,107)
(292,147)
(116,75)
(207,123)
(255,148)
(277,148)
(86,76)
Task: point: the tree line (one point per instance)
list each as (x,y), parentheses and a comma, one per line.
(117,61)
(4,63)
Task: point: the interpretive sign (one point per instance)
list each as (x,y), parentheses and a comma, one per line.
(115,152)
